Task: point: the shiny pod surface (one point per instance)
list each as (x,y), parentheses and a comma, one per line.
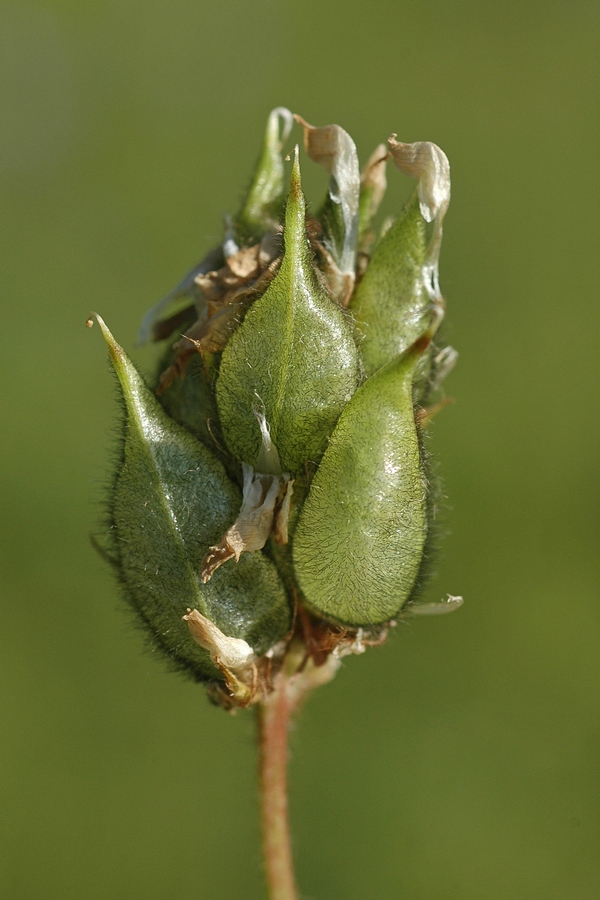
(293,359)
(390,304)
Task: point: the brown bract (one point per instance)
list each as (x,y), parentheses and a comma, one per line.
(226,293)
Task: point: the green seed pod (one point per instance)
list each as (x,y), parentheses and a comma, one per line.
(171,499)
(392,304)
(262,476)
(293,358)
(361,533)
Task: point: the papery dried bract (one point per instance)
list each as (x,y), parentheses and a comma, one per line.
(185,294)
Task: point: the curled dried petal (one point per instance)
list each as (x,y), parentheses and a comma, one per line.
(334,149)
(234,653)
(263,508)
(429,165)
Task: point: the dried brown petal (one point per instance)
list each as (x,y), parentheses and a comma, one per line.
(265,506)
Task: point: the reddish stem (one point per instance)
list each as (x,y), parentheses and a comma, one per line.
(274,719)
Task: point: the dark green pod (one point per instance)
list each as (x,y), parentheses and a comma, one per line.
(171,500)
(190,401)
(293,358)
(360,536)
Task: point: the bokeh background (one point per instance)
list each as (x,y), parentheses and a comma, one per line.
(462,759)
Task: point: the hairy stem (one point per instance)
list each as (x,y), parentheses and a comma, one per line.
(273,720)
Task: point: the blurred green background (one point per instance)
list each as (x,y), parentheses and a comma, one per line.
(459,761)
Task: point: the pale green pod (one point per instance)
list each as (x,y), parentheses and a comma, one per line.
(171,500)
(293,358)
(391,303)
(360,537)
(263,204)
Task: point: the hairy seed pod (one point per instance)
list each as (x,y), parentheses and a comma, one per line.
(271,507)
(171,499)
(293,358)
(362,530)
(391,304)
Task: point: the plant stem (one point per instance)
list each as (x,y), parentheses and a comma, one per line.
(273,722)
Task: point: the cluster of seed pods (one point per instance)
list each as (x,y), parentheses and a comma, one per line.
(272,491)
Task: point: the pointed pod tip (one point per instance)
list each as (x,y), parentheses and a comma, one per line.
(116,351)
(296,207)
(296,182)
